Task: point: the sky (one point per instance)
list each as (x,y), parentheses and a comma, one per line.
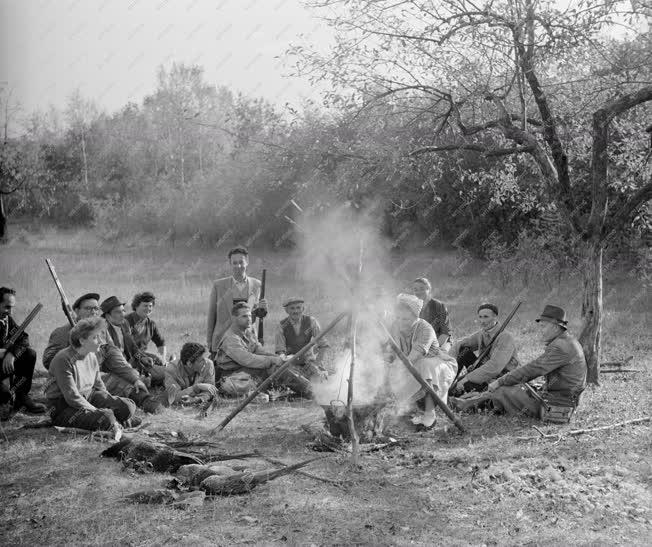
(111,49)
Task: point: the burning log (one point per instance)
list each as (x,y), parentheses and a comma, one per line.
(243,483)
(371,420)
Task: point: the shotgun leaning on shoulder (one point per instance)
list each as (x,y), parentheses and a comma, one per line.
(65,305)
(13,337)
(487,349)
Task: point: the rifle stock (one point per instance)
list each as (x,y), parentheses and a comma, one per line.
(65,304)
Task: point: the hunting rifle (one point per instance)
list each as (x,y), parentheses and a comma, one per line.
(261,337)
(21,328)
(65,305)
(487,349)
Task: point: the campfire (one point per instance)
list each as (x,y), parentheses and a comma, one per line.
(371,420)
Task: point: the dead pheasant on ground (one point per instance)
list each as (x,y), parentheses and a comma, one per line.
(245,482)
(161,457)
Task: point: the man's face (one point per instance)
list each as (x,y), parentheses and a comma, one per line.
(197,363)
(487,318)
(7,305)
(144,309)
(421,291)
(295,311)
(239,263)
(243,319)
(116,315)
(548,330)
(88,308)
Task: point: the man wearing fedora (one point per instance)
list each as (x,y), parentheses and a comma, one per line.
(563,365)
(297,330)
(113,311)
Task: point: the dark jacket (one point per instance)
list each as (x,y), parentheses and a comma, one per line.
(7,328)
(564,367)
(436,314)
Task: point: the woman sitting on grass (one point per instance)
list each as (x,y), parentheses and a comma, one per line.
(191,379)
(144,330)
(76,393)
(418,341)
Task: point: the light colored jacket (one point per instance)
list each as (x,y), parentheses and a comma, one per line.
(220,304)
(179,381)
(238,349)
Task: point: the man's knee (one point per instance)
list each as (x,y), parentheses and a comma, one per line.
(26,361)
(124,409)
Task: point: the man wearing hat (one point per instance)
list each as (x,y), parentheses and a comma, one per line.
(501,358)
(563,365)
(296,331)
(111,358)
(113,310)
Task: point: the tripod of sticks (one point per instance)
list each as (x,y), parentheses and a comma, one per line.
(352,323)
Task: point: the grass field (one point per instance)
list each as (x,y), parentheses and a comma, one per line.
(481,488)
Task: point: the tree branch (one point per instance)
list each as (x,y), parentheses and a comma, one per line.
(627,210)
(483,150)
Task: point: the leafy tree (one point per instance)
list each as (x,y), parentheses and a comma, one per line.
(533,78)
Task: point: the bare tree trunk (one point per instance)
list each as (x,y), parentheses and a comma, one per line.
(84,159)
(590,338)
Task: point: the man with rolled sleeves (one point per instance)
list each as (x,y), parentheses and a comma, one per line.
(228,291)
(296,331)
(501,359)
(243,363)
(562,364)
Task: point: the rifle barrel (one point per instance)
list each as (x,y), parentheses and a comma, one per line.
(21,328)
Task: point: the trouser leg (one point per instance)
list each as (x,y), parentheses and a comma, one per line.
(21,381)
(64,416)
(515,400)
(119,387)
(123,408)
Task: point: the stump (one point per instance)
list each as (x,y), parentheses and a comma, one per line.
(371,420)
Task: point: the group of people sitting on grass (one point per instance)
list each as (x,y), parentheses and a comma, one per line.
(100,369)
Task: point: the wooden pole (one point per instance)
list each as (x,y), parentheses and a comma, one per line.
(278,372)
(349,398)
(425,385)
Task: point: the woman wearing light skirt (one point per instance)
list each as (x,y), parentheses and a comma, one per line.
(417,340)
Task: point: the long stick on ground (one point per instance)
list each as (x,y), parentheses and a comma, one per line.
(576,432)
(278,372)
(425,385)
(304,473)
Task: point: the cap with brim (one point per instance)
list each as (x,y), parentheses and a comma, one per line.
(87,296)
(293,300)
(110,303)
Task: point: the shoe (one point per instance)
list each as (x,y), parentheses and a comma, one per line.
(132,422)
(421,428)
(6,411)
(30,405)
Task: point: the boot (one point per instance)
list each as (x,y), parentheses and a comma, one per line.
(6,411)
(30,404)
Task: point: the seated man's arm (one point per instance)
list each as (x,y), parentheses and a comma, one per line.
(502,351)
(322,345)
(444,326)
(552,358)
(207,374)
(158,340)
(114,362)
(235,349)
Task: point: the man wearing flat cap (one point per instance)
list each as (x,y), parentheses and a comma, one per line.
(297,330)
(111,359)
(562,364)
(502,356)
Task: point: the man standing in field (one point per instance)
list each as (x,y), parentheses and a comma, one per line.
(434,312)
(243,363)
(227,292)
(111,358)
(17,363)
(297,330)
(501,358)
(563,365)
